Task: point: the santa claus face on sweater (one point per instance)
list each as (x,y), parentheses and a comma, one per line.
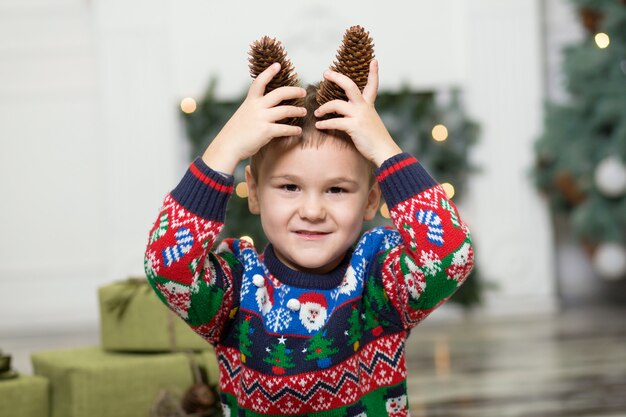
(312,201)
(397,406)
(312,316)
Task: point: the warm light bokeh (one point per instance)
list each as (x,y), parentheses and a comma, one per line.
(241,190)
(440,133)
(448,188)
(188,105)
(602,40)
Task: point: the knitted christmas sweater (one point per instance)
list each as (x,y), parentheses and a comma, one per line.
(292,343)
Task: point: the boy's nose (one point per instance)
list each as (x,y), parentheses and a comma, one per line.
(312,209)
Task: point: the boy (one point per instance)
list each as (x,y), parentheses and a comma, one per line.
(314,326)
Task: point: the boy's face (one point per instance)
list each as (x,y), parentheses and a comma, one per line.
(312,202)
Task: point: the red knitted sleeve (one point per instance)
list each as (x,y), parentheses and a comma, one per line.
(436,253)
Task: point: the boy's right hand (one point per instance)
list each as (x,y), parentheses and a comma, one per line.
(254,123)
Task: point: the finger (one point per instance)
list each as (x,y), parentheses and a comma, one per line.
(260,82)
(274,97)
(283,112)
(335,106)
(278,130)
(338,123)
(371,88)
(352,90)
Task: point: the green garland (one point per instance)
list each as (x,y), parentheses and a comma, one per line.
(586,130)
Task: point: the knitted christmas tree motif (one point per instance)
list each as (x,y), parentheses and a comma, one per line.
(320,348)
(433,221)
(375,295)
(445,204)
(376,292)
(160,231)
(355,331)
(279,357)
(184,241)
(244,338)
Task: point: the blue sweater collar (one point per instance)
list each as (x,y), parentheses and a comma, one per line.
(308,280)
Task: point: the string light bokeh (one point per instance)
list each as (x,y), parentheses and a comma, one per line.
(188,105)
(602,40)
(440,133)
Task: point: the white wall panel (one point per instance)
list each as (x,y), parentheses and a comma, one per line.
(138,125)
(91,141)
(50,171)
(504,88)
(417,43)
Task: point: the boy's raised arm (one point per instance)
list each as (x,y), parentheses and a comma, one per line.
(254,123)
(199,285)
(435,255)
(360,119)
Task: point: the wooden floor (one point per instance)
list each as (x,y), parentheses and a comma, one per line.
(572,364)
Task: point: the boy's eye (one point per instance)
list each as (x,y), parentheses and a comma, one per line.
(290,187)
(336,190)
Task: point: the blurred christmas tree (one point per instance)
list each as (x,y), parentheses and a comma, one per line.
(431,126)
(580,156)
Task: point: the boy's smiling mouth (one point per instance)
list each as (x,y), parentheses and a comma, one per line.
(311,234)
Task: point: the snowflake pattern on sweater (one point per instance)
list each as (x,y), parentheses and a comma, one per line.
(291,343)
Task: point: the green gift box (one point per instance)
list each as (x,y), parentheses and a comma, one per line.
(24,396)
(133,319)
(96,383)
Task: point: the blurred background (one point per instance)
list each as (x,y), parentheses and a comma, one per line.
(93,136)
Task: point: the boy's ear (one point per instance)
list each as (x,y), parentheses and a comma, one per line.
(373,201)
(253,197)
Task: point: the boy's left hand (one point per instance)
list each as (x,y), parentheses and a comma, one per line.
(360,119)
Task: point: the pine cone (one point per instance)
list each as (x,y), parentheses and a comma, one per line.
(199,398)
(263,53)
(565,182)
(591,19)
(353,59)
